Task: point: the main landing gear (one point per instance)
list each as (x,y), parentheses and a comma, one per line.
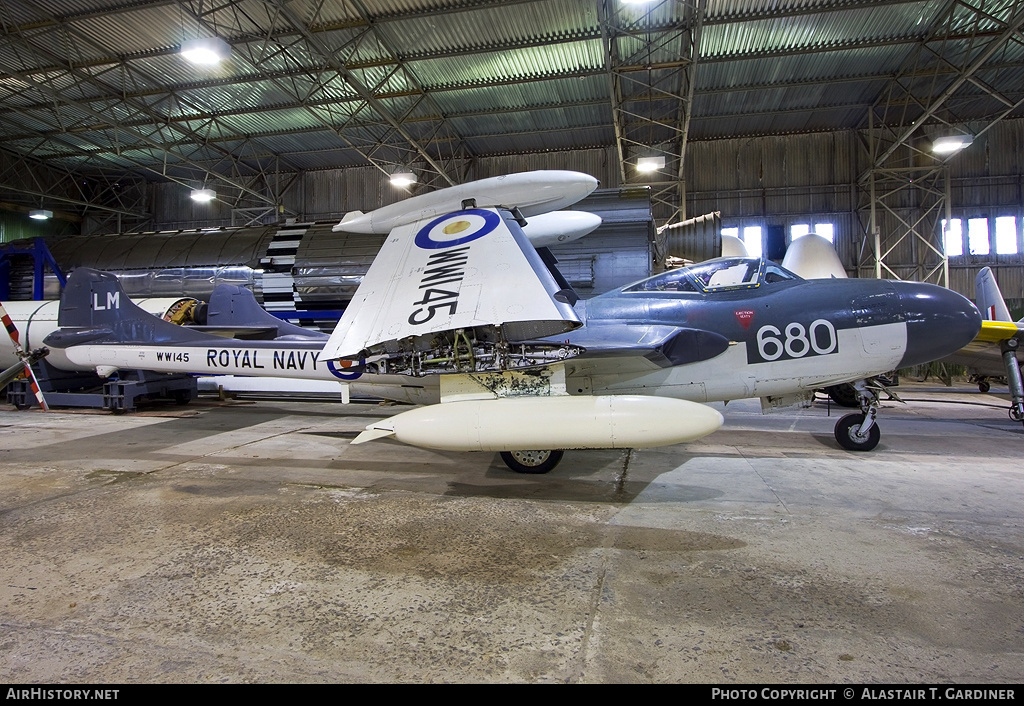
(858,432)
(531,461)
(1013,378)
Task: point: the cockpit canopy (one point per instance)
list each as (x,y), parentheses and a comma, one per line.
(720,274)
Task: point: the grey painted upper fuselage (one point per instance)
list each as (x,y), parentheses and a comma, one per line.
(734,328)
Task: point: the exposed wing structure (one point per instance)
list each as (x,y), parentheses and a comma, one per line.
(461,292)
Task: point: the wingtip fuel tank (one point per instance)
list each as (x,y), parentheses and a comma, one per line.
(560,227)
(567,422)
(533,193)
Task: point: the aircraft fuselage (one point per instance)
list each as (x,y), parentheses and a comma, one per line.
(778,337)
(769,336)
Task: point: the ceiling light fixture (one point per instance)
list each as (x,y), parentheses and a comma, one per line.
(650,164)
(403,177)
(951,143)
(206,51)
(203,195)
(40,214)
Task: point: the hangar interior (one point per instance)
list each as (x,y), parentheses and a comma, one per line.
(778,116)
(247,542)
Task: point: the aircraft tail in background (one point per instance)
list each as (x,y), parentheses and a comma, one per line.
(988,297)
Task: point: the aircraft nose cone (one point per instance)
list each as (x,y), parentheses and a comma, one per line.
(939,321)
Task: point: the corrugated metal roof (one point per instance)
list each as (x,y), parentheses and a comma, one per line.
(99,83)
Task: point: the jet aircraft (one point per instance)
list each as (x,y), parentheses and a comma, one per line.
(460,313)
(995,352)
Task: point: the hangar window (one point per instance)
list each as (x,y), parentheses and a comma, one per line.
(752,239)
(979,240)
(1006,235)
(977,236)
(825,230)
(953,237)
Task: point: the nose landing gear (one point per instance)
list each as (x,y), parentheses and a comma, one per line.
(858,432)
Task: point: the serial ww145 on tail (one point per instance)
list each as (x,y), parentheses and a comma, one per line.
(461,312)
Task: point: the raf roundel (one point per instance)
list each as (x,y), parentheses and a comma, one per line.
(337,369)
(456,229)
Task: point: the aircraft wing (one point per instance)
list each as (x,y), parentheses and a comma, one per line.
(984,355)
(999,331)
(467,270)
(996,350)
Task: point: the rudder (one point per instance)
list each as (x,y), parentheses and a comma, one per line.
(989,298)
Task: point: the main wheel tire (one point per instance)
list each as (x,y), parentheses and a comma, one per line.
(846,434)
(182,397)
(844,395)
(531,461)
(984,386)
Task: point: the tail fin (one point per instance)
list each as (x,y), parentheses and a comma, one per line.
(94,307)
(989,298)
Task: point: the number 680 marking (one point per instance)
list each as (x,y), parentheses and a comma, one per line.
(798,341)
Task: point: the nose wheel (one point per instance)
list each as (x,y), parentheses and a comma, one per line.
(858,432)
(854,435)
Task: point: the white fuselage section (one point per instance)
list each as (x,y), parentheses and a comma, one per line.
(860,352)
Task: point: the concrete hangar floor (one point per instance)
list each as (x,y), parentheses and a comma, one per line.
(247,542)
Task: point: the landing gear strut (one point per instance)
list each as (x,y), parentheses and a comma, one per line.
(1013,378)
(531,461)
(858,432)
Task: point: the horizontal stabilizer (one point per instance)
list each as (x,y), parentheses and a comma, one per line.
(244,333)
(234,308)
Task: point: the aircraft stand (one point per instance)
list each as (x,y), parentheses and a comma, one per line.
(118,395)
